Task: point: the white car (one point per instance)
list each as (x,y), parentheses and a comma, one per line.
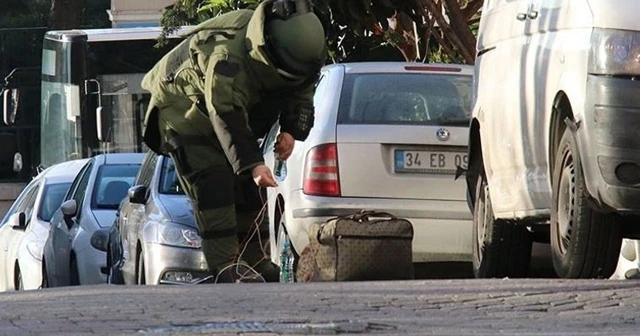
(90,204)
(387,136)
(26,225)
(554,145)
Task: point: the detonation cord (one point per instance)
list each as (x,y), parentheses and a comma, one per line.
(249,273)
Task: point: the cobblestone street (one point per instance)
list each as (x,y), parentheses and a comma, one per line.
(420,307)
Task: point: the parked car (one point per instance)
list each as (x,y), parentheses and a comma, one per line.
(388,136)
(154,239)
(25,226)
(554,146)
(90,204)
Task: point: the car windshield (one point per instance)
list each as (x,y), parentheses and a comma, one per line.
(411,99)
(51,200)
(112,184)
(169,179)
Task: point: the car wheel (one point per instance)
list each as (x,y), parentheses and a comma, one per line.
(288,257)
(45,280)
(74,277)
(500,248)
(115,276)
(585,243)
(141,276)
(19,281)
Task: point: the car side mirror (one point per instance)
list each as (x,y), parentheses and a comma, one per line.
(138,194)
(10,98)
(100,240)
(69,208)
(103,124)
(103,116)
(21,225)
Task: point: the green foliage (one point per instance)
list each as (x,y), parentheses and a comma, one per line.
(34,13)
(192,12)
(22,28)
(357,30)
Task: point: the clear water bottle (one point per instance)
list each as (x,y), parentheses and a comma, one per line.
(286,262)
(280,170)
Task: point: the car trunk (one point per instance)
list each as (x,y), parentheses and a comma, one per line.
(401,161)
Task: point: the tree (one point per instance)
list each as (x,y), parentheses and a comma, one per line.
(66,14)
(24,22)
(434,30)
(411,25)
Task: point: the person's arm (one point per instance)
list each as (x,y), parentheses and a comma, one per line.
(226,100)
(297,116)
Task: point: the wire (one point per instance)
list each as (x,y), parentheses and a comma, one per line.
(251,232)
(242,275)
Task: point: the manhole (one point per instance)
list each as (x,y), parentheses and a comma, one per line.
(274,327)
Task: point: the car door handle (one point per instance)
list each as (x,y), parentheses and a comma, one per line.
(533,14)
(521,16)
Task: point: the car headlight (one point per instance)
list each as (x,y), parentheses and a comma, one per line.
(614,52)
(35,249)
(176,235)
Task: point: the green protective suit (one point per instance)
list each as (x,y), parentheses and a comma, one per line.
(211,98)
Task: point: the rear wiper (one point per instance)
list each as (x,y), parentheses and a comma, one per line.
(457,121)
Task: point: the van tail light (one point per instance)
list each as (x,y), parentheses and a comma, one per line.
(321,176)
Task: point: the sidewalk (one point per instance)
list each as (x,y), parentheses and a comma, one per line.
(421,307)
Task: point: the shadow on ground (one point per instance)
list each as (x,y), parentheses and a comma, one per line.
(540,267)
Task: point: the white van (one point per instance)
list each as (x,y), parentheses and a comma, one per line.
(554,141)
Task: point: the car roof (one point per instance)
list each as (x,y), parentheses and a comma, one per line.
(63,172)
(402,67)
(119,158)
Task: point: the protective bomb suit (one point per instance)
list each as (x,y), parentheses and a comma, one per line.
(213,96)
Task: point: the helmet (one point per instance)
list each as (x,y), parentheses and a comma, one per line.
(295,39)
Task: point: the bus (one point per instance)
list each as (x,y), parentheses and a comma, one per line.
(19,137)
(88,97)
(92,101)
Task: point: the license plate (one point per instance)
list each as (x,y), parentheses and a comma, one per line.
(434,162)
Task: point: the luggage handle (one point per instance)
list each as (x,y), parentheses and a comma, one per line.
(366,215)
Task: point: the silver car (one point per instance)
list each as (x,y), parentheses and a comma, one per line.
(25,226)
(90,204)
(388,136)
(155,239)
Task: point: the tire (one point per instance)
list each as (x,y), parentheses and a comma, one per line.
(19,282)
(45,280)
(114,277)
(584,242)
(141,275)
(74,277)
(500,248)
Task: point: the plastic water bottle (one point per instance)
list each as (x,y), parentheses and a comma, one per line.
(286,262)
(280,170)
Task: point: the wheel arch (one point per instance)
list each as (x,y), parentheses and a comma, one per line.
(561,110)
(279,205)
(475,165)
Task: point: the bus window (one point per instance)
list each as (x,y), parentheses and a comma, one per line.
(53,130)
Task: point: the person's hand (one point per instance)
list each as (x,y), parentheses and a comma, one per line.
(284,145)
(262,176)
